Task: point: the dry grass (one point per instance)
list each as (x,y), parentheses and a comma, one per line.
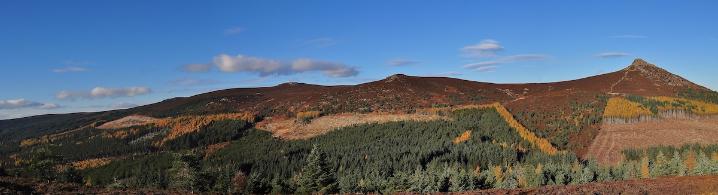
(291,129)
(120,134)
(128,121)
(612,139)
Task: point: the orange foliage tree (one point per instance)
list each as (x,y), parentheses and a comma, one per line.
(541,143)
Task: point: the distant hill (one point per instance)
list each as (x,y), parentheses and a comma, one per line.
(402,133)
(396,93)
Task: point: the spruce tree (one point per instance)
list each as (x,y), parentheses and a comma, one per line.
(660,166)
(316,175)
(676,165)
(71,175)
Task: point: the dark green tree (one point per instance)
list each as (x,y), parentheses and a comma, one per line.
(42,164)
(316,175)
(71,175)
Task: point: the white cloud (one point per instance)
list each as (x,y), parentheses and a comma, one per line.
(69,69)
(234,31)
(491,65)
(266,67)
(49,106)
(23,103)
(485,48)
(612,54)
(331,69)
(629,36)
(320,42)
(401,62)
(197,67)
(103,92)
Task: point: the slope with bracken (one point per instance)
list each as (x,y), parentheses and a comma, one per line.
(547,109)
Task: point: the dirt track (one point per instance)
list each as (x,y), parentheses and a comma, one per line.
(614,138)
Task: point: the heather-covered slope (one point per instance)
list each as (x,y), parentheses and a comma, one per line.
(238,134)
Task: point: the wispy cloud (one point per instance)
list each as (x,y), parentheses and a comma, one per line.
(267,67)
(196,67)
(629,36)
(321,42)
(612,54)
(69,69)
(23,103)
(485,48)
(487,51)
(492,64)
(103,92)
(233,31)
(72,66)
(401,62)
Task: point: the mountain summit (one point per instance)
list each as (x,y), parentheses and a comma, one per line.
(644,78)
(640,62)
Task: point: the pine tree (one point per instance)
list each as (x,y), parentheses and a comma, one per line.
(660,166)
(257,184)
(186,173)
(676,166)
(604,174)
(42,164)
(316,175)
(461,181)
(348,182)
(71,175)
(418,180)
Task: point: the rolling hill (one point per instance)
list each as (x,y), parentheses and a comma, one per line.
(272,129)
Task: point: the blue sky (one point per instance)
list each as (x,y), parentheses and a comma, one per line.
(72,56)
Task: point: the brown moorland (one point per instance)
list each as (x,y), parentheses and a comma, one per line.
(614,138)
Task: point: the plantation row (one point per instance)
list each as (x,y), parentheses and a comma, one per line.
(368,153)
(634,108)
(672,161)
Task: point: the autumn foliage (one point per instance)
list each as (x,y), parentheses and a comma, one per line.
(187,124)
(694,106)
(619,107)
(91,163)
(307,115)
(463,137)
(541,143)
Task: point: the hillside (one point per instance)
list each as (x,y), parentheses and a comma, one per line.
(373,136)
